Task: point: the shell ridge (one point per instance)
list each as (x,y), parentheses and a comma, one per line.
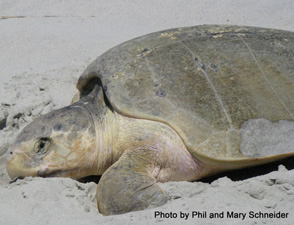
(265,77)
(218,98)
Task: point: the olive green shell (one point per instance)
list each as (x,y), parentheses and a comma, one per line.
(203,81)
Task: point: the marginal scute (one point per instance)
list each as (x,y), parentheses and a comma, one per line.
(203,81)
(233,141)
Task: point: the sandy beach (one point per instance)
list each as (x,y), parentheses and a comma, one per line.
(46,45)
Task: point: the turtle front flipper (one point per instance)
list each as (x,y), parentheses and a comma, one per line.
(128,185)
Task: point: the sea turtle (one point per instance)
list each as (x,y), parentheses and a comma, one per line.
(175,105)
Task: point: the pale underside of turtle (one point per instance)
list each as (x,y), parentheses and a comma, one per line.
(225,91)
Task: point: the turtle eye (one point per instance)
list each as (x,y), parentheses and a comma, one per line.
(42,145)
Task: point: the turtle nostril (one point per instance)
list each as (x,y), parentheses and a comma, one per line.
(43,173)
(11,153)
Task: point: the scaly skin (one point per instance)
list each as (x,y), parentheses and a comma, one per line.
(88,138)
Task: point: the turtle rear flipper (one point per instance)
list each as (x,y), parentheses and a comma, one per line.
(128,185)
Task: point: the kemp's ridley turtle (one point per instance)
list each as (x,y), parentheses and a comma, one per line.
(168,106)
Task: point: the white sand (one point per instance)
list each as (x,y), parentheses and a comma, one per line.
(43,54)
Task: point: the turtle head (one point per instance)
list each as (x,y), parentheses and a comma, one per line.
(60,143)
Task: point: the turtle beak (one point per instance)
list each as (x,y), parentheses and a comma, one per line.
(18,166)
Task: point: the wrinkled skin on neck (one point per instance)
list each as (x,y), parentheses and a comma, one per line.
(63,143)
